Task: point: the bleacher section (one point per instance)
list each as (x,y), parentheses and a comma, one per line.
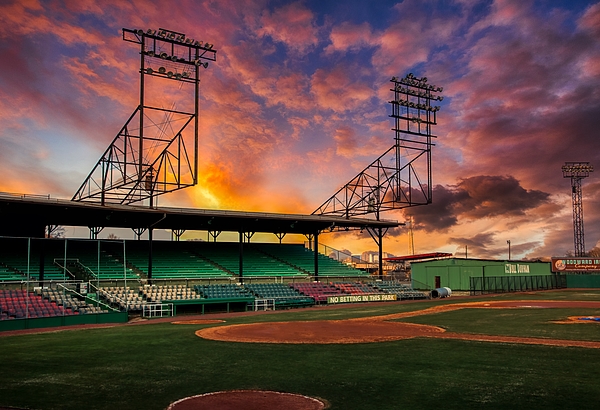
(303,259)
(401,290)
(9,274)
(19,304)
(172,260)
(356,288)
(256,263)
(18,257)
(88,264)
(228,291)
(317,290)
(91,260)
(283,295)
(123,298)
(45,302)
(157,294)
(63,298)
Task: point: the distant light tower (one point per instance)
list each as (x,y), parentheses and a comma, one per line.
(577,171)
(508,242)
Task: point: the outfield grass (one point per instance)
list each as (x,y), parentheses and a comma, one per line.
(149,366)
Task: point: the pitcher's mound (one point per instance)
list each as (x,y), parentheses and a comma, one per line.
(319,332)
(248,400)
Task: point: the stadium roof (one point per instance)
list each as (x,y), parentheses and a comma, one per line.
(395,259)
(28,215)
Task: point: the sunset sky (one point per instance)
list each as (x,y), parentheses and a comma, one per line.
(297,104)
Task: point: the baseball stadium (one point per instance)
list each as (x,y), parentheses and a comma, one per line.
(246,323)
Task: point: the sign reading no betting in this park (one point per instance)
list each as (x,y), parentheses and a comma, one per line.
(361,298)
(575,265)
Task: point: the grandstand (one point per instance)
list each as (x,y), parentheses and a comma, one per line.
(75,281)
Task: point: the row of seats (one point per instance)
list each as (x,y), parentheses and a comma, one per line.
(52,302)
(19,304)
(284,296)
(319,291)
(223,291)
(356,288)
(402,291)
(123,298)
(90,260)
(160,293)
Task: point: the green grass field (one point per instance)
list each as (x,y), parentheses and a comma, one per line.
(150,366)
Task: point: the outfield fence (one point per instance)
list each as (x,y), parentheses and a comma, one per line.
(507,284)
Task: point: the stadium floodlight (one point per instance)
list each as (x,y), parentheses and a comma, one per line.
(577,171)
(149,157)
(407,182)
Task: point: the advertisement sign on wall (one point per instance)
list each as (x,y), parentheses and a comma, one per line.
(575,265)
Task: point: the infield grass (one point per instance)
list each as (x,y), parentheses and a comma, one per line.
(150,366)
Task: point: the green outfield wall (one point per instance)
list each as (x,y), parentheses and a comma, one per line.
(583,281)
(456,273)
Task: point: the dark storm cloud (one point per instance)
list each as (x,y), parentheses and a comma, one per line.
(482,196)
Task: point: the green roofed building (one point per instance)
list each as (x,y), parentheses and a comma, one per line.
(456,273)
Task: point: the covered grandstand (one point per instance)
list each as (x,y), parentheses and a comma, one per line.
(72,281)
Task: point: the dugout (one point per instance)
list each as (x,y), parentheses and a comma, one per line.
(458,274)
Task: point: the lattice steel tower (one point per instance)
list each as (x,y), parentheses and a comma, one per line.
(577,171)
(400,177)
(151,154)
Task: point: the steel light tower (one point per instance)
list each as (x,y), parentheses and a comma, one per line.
(400,177)
(149,156)
(577,171)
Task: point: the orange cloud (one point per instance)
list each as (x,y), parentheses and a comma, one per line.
(348,36)
(336,90)
(291,24)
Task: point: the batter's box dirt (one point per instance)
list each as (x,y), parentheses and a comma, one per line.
(248,400)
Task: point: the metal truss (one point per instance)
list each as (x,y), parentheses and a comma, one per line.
(149,155)
(577,171)
(400,177)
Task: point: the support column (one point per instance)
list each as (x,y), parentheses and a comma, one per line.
(316,250)
(377,234)
(241,256)
(214,235)
(94,231)
(380,236)
(150,230)
(177,233)
(42,260)
(138,232)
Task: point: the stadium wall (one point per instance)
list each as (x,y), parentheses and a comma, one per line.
(583,281)
(456,273)
(21,324)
